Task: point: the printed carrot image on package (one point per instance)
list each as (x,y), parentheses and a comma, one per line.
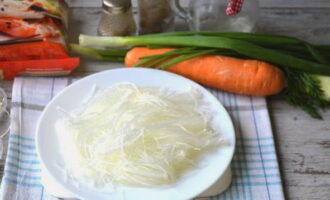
(33,37)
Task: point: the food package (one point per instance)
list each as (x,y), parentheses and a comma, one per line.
(33,38)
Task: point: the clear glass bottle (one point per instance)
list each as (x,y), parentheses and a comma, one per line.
(203,15)
(4,118)
(117,18)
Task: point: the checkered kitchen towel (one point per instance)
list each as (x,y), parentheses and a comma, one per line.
(255,168)
(234,7)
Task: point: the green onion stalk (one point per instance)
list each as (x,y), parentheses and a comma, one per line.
(307,66)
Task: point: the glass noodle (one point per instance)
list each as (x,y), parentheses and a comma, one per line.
(136,136)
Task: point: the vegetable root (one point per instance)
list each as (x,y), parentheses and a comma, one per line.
(249,77)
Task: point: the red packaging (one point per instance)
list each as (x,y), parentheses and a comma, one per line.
(33,37)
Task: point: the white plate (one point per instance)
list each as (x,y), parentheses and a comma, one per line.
(190,185)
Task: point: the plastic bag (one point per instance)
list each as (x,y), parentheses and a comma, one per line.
(33,37)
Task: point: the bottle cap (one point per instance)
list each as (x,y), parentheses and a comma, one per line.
(116,6)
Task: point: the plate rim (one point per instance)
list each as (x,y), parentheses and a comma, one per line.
(95,75)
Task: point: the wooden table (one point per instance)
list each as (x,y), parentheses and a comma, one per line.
(303,144)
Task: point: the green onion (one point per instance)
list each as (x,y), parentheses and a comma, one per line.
(185,57)
(242,47)
(99,54)
(260,39)
(85,51)
(299,59)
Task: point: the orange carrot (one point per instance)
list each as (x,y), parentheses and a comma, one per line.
(250,77)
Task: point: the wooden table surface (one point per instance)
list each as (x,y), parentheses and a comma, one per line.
(303,144)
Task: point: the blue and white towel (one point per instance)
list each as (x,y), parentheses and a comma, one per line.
(255,168)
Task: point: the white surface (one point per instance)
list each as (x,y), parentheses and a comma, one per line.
(193,182)
(55,189)
(220,186)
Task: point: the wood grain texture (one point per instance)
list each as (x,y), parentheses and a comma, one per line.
(303,144)
(262,3)
(303,151)
(84,3)
(308,24)
(294,3)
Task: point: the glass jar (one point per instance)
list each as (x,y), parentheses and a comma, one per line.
(117,18)
(155,16)
(203,15)
(4,118)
